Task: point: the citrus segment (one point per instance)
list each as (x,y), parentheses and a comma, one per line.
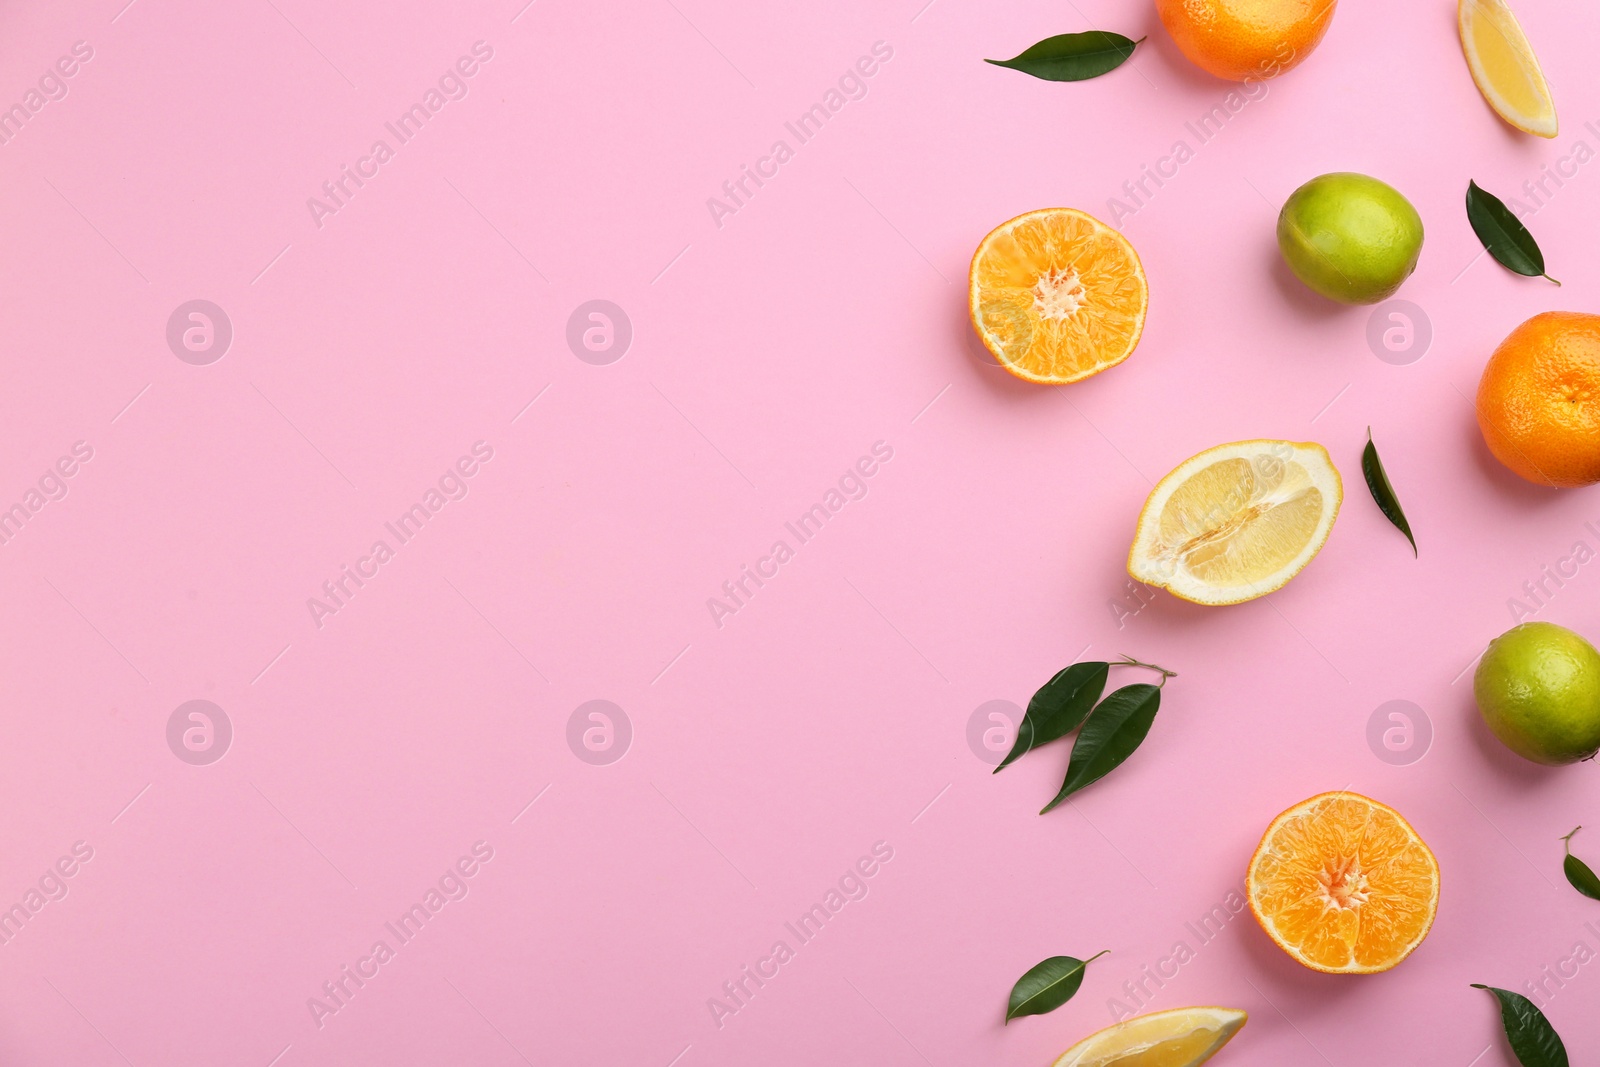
(1504,67)
(1056,296)
(1237,521)
(1181,1037)
(1343,884)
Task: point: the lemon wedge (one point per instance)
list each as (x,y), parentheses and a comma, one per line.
(1504,66)
(1237,521)
(1182,1037)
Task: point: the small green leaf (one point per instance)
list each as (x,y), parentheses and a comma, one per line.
(1503,234)
(1116,727)
(1047,985)
(1073,57)
(1383,492)
(1058,707)
(1532,1038)
(1583,879)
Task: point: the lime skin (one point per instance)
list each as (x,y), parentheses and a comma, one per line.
(1351,238)
(1538,688)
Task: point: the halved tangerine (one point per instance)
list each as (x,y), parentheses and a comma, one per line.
(1344,885)
(1057,295)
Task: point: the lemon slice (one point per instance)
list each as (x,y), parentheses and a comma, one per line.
(1237,521)
(1182,1037)
(1504,66)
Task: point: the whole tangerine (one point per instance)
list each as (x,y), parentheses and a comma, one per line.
(1539,400)
(1246,40)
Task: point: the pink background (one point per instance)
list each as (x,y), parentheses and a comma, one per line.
(831,712)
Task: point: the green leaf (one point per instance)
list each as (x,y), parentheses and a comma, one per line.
(1047,985)
(1116,727)
(1578,872)
(1532,1038)
(1503,234)
(1073,57)
(1383,492)
(1058,707)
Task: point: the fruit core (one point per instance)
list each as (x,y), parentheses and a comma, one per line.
(1344,885)
(1058,293)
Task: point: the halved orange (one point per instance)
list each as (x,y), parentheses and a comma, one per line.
(1343,884)
(1057,295)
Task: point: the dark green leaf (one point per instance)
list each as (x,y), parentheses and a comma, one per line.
(1058,707)
(1532,1038)
(1503,234)
(1073,57)
(1116,727)
(1578,872)
(1383,492)
(1047,985)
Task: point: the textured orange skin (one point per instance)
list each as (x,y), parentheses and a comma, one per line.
(1539,400)
(1246,40)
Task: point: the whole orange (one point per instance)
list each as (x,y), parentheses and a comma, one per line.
(1246,40)
(1539,399)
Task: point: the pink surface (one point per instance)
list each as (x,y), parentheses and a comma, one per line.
(767,751)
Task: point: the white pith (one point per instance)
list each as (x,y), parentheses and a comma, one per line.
(1058,294)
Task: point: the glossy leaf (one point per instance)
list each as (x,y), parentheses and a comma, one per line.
(1116,727)
(1047,985)
(1382,492)
(1530,1034)
(1058,707)
(1503,234)
(1579,873)
(1073,57)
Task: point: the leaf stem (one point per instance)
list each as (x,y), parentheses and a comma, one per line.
(1097,955)
(1547,278)
(1129,661)
(1568,839)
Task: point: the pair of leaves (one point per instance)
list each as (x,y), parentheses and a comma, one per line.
(1503,234)
(1073,57)
(1579,873)
(1529,1033)
(1382,492)
(1047,985)
(1115,726)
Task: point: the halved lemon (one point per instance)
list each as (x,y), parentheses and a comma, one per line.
(1237,521)
(1343,884)
(1057,295)
(1182,1037)
(1504,66)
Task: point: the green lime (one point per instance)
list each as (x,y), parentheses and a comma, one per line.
(1538,687)
(1350,237)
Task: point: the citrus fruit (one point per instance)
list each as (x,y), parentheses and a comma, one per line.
(1538,688)
(1350,237)
(1237,521)
(1504,67)
(1181,1037)
(1539,399)
(1246,40)
(1343,884)
(1057,295)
